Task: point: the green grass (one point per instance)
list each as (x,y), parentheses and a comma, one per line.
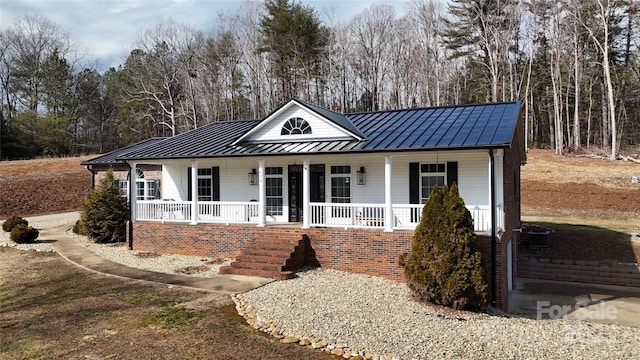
(174,318)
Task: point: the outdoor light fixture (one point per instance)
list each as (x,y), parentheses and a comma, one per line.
(253,177)
(361,176)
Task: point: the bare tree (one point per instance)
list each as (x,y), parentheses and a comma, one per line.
(373,31)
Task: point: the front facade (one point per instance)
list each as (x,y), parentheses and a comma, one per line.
(353,184)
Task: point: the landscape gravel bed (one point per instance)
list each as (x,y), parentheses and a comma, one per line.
(119,253)
(361,316)
(364,317)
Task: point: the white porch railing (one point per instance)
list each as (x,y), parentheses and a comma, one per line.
(154,210)
(347,215)
(351,215)
(228,212)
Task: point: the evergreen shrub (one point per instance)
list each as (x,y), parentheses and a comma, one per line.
(24,234)
(105,212)
(12,221)
(444,266)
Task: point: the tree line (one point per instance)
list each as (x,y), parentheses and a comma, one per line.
(573,64)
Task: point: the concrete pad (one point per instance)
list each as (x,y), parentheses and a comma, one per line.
(546,299)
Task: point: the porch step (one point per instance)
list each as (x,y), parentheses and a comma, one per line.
(271,257)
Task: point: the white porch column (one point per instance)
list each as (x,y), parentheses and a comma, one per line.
(306,194)
(194,193)
(388,213)
(262,195)
(132,190)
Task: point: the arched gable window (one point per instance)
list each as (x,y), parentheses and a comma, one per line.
(296,126)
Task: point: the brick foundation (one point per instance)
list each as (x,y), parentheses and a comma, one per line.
(605,272)
(371,252)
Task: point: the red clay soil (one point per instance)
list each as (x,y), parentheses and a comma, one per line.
(42,186)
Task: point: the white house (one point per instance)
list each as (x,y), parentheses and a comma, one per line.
(336,190)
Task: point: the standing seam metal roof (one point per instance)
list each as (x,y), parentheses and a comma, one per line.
(459,127)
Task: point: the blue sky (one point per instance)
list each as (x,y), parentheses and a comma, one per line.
(106,29)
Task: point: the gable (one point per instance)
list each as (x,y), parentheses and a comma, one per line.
(295,122)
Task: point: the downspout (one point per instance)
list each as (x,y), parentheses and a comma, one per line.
(132,185)
(492,191)
(93,176)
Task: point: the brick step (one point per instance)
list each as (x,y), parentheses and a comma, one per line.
(273,245)
(257,266)
(289,264)
(275,257)
(279,253)
(278,275)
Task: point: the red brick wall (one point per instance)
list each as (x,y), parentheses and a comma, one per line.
(371,252)
(588,271)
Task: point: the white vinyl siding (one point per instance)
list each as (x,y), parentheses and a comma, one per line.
(473,176)
(322,129)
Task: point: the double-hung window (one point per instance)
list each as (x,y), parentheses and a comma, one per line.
(205,181)
(341,189)
(207,184)
(273,186)
(431,175)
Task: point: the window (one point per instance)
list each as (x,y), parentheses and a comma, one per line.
(124,188)
(296,126)
(207,184)
(431,175)
(341,189)
(273,190)
(145,189)
(205,190)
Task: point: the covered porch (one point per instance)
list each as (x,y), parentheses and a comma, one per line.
(322,192)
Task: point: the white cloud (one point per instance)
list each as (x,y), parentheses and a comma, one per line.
(108,28)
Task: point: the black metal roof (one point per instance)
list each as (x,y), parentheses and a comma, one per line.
(474,126)
(111,157)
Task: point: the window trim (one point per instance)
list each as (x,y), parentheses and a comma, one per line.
(425,171)
(274,172)
(296,126)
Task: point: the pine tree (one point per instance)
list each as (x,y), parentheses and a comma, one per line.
(444,266)
(295,41)
(105,211)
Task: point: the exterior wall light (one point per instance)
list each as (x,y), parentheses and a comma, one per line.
(361,176)
(253,177)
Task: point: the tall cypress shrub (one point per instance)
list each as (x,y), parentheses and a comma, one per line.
(105,211)
(444,265)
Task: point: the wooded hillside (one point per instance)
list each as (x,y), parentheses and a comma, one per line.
(574,65)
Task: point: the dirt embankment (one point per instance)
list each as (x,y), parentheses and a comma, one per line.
(42,186)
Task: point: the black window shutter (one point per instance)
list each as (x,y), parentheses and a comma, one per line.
(414,183)
(215,182)
(189,197)
(452,173)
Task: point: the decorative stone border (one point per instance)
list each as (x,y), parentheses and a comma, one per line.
(332,347)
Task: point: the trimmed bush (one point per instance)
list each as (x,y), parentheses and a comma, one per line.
(444,266)
(24,234)
(105,212)
(12,221)
(79,228)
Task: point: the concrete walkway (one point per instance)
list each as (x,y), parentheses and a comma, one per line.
(548,299)
(77,254)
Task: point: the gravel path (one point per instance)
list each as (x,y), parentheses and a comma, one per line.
(365,317)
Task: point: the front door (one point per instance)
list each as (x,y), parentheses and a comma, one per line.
(316,185)
(295,193)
